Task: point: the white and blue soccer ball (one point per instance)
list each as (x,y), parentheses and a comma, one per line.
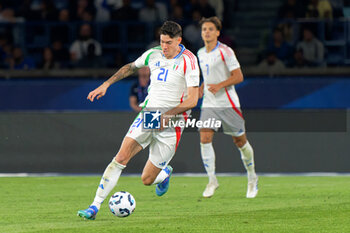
(122,204)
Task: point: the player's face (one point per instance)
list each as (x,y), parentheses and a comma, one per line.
(209,32)
(170,46)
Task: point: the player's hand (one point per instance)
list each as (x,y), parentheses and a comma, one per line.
(214,88)
(98,92)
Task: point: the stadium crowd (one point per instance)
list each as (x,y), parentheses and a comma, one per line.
(48,34)
(302,44)
(84,50)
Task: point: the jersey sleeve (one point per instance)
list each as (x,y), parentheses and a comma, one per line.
(143,60)
(229,58)
(191,70)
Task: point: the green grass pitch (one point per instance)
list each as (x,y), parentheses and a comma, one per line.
(284,204)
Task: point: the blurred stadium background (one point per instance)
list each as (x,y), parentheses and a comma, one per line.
(296,104)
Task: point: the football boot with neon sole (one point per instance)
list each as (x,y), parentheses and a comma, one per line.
(163,187)
(89,213)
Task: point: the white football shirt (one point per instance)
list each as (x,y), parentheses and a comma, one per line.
(216,66)
(169,77)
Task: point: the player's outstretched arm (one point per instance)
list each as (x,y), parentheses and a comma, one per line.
(123,72)
(98,92)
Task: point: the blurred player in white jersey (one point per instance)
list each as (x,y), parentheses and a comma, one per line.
(221,71)
(172,91)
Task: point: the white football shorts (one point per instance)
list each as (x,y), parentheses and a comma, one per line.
(162,144)
(232,123)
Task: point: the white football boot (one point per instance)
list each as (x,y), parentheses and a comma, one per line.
(252,190)
(210,189)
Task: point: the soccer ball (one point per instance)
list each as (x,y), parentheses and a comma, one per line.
(122,204)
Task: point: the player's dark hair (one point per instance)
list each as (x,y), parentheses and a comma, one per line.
(171,29)
(215,20)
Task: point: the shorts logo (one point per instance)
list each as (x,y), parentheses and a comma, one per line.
(151,119)
(162,164)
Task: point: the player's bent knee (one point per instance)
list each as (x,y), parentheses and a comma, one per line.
(206,140)
(239,145)
(147,180)
(206,136)
(122,159)
(240,142)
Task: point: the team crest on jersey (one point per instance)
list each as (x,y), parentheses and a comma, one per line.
(176,65)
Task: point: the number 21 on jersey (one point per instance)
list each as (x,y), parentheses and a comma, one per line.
(163,74)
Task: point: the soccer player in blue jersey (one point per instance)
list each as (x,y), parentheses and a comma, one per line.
(172,91)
